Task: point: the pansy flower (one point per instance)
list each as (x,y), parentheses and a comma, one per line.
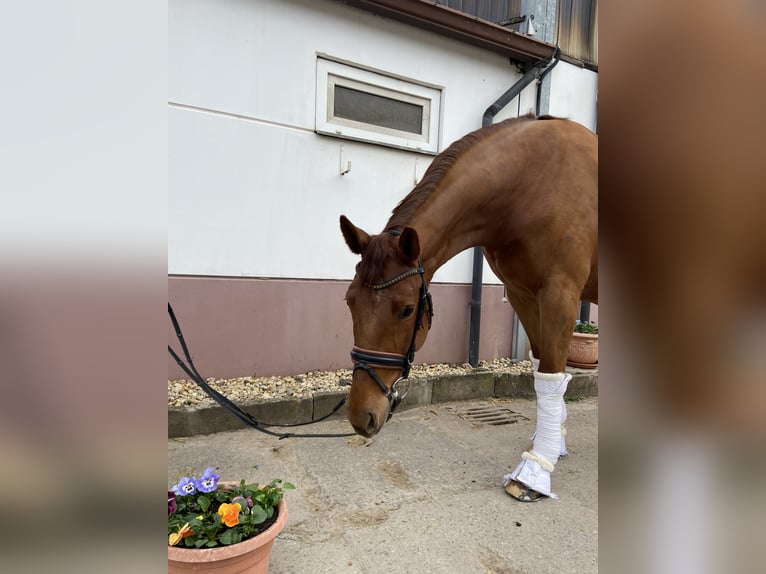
(229,513)
(176,537)
(171,502)
(185,487)
(209,481)
(241,501)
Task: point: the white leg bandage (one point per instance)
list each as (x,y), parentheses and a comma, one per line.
(563,451)
(535,469)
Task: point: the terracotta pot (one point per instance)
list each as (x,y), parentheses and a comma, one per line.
(251,555)
(583,350)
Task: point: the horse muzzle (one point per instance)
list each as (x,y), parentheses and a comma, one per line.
(368,422)
(368,419)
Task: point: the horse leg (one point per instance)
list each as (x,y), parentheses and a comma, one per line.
(527,308)
(558,312)
(535,369)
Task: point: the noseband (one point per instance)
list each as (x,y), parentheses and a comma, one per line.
(367,359)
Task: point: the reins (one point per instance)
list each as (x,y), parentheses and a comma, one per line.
(245,417)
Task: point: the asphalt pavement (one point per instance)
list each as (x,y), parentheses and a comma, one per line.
(424,496)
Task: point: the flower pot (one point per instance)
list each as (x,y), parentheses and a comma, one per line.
(251,555)
(583,351)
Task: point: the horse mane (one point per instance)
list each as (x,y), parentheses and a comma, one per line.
(439,167)
(378,250)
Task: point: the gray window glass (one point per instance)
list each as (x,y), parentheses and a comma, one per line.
(377,110)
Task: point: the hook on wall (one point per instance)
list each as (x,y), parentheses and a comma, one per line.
(344,169)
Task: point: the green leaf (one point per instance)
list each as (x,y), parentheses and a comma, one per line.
(174,524)
(259,514)
(211,543)
(200,543)
(227,537)
(288,486)
(204,503)
(222,495)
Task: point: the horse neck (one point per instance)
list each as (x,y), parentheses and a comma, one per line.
(448,223)
(471,205)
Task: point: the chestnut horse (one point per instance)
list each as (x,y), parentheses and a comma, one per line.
(526,191)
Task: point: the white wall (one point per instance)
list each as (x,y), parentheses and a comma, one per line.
(253,190)
(574,92)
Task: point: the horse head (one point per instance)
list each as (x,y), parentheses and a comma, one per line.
(389,303)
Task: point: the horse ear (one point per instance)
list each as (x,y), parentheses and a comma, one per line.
(356,239)
(409,244)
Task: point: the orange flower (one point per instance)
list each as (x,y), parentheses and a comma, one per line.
(230,513)
(176,537)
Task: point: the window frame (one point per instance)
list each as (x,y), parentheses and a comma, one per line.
(331,73)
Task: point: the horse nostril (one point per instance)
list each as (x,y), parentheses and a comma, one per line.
(372,426)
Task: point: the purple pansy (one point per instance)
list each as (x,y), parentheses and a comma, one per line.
(171,502)
(209,480)
(241,500)
(185,486)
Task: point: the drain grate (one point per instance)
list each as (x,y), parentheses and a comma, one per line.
(487,413)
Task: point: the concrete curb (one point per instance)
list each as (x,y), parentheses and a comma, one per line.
(440,389)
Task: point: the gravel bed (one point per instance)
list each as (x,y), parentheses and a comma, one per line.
(185,393)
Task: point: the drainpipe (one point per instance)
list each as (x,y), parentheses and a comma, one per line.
(537,72)
(584,311)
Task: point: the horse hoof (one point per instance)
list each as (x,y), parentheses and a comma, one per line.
(522,493)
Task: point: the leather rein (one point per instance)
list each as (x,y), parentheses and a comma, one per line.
(367,359)
(191,371)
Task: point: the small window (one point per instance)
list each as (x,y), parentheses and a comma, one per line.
(364,106)
(361,104)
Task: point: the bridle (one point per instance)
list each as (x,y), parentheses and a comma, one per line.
(367,359)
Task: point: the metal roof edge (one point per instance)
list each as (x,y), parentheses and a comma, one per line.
(428,15)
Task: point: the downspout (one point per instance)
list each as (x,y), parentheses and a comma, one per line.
(585,305)
(536,72)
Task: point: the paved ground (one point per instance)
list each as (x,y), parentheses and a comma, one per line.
(424,496)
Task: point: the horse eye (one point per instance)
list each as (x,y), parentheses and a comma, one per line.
(406,312)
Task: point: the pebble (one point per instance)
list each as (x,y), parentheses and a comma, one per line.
(186,393)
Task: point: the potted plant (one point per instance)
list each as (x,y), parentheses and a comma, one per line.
(223,526)
(583,348)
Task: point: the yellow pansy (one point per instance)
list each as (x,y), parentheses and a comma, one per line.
(176,537)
